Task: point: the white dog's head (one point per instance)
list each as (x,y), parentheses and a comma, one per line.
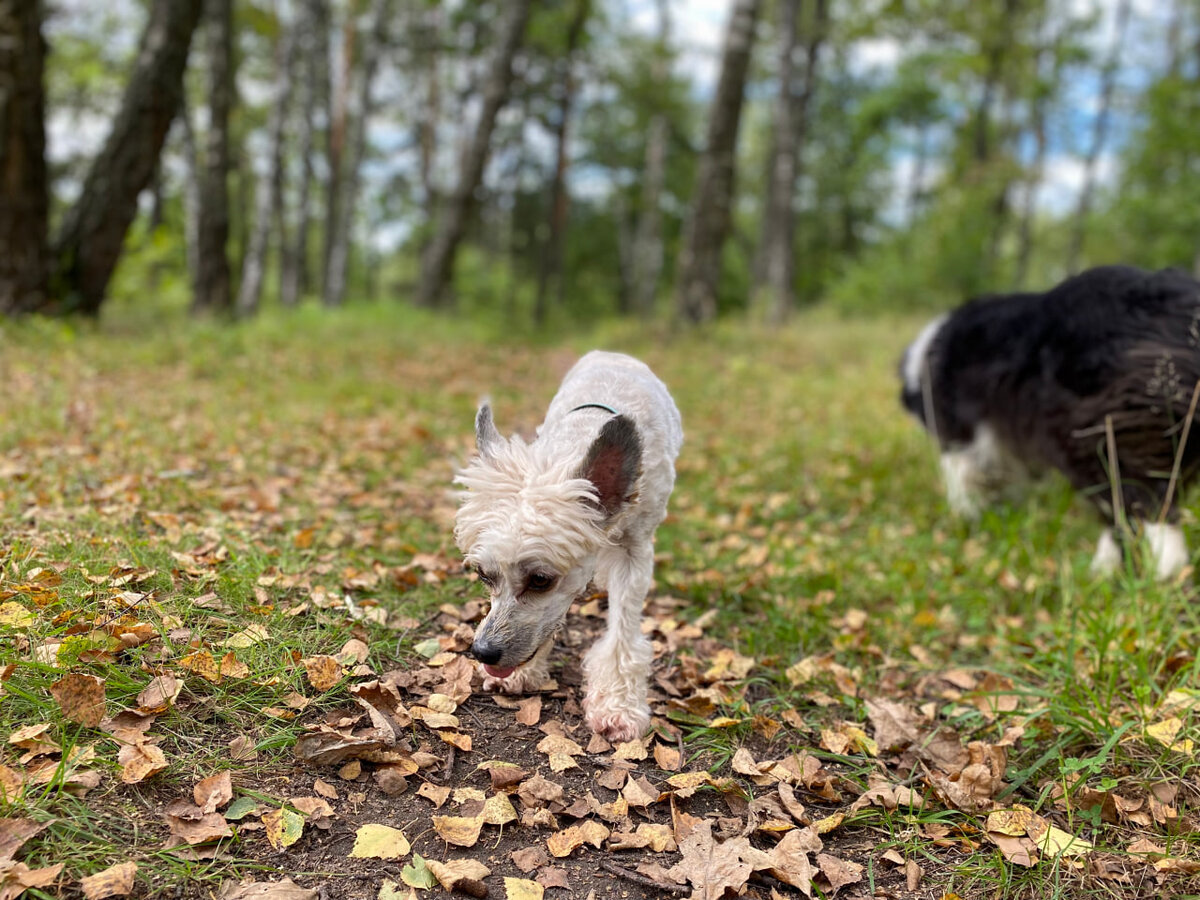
(531,521)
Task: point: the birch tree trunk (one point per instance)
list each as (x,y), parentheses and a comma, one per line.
(343,223)
(646,265)
(712,198)
(1108,78)
(313,39)
(213,291)
(24,210)
(437,264)
(270,184)
(338,117)
(552,253)
(93,229)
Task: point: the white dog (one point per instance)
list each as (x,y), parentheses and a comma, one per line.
(540,522)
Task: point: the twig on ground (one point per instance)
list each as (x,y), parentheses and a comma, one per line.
(1187,427)
(677,890)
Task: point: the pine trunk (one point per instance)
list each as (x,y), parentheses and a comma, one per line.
(712,199)
(24,210)
(93,230)
(213,290)
(270,183)
(645,269)
(438,261)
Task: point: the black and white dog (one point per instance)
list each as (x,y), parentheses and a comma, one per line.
(1022,383)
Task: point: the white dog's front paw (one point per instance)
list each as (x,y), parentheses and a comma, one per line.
(521,681)
(614,722)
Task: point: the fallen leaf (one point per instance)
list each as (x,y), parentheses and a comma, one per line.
(192,825)
(667,758)
(285,889)
(140,761)
(213,792)
(563,843)
(81,698)
(522,889)
(530,710)
(529,858)
(247,637)
(839,872)
(463,874)
(379,842)
(14,833)
(462,831)
(160,694)
(1166,733)
(323,671)
(283,827)
(561,751)
(115,881)
(202,663)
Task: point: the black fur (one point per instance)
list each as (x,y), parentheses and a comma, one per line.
(1044,370)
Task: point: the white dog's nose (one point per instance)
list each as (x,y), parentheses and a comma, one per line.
(486,653)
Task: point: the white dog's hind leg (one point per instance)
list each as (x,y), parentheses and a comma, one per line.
(1169,549)
(618,665)
(960,476)
(1108,555)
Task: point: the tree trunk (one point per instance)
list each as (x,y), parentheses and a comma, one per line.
(338,117)
(213,292)
(270,184)
(430,111)
(646,267)
(438,260)
(24,209)
(791,131)
(708,224)
(191,190)
(339,255)
(1108,78)
(313,35)
(93,230)
(552,252)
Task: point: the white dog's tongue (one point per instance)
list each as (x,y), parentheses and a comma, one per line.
(499,671)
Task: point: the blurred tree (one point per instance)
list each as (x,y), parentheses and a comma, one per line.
(711,208)
(24,209)
(437,264)
(213,289)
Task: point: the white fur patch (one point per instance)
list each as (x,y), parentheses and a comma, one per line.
(1108,555)
(1169,549)
(914,358)
(972,472)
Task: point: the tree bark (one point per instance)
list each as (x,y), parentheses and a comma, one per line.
(791,131)
(708,224)
(338,117)
(339,255)
(314,53)
(24,207)
(646,266)
(270,184)
(430,111)
(1108,78)
(93,230)
(213,291)
(552,253)
(438,260)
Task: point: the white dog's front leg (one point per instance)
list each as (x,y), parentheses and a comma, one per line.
(618,665)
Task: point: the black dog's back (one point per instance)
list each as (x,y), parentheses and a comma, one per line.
(1047,371)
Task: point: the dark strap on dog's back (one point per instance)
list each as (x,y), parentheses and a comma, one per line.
(603,406)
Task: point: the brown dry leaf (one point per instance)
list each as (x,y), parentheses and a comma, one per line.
(712,868)
(325,789)
(530,710)
(634,751)
(193,825)
(465,875)
(561,751)
(563,843)
(686,783)
(115,881)
(14,833)
(462,831)
(896,725)
(242,748)
(213,792)
(530,858)
(522,889)
(140,761)
(435,793)
(640,792)
(160,694)
(1017,849)
(323,671)
(553,877)
(789,859)
(285,889)
(16,878)
(539,791)
(504,775)
(666,758)
(12,785)
(81,698)
(840,872)
(232,667)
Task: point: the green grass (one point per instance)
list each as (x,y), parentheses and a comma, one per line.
(320,446)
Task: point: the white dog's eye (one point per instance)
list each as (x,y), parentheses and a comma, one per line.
(486,577)
(539,582)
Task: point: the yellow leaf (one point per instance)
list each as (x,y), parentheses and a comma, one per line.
(283,827)
(1056,842)
(522,889)
(458,830)
(1015,821)
(14,615)
(498,810)
(202,663)
(323,671)
(1166,732)
(247,637)
(379,842)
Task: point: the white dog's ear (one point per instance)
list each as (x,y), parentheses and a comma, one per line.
(486,435)
(613,462)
